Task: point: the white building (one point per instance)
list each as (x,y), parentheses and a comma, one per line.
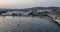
(40,10)
(17,13)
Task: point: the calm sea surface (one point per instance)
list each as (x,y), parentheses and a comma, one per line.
(27,24)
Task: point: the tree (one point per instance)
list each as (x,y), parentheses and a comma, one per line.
(45,14)
(14,14)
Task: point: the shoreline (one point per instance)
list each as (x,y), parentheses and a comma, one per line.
(57,22)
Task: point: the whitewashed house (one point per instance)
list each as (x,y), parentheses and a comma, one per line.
(18,13)
(8,14)
(40,10)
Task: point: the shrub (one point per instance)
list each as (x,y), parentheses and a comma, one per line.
(45,14)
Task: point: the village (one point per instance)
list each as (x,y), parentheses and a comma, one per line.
(50,13)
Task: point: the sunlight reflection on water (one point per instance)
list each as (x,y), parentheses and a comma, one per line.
(27,24)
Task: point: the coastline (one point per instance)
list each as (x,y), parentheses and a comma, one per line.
(56,21)
(45,17)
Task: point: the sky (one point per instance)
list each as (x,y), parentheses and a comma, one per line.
(28,3)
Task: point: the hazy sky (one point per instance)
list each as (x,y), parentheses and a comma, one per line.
(28,3)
